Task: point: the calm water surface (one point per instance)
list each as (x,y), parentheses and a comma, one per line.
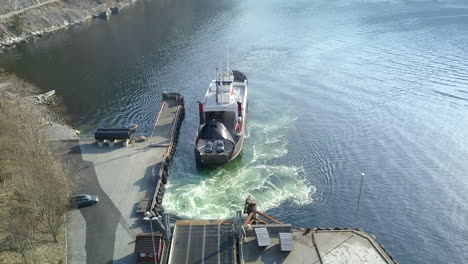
(336,88)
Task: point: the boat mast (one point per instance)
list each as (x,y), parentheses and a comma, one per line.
(227,49)
(216,83)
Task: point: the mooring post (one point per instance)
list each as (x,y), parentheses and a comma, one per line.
(250,207)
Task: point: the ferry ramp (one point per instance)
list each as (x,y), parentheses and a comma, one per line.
(226,242)
(203,241)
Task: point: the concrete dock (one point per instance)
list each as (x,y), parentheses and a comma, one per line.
(259,238)
(122,177)
(313,246)
(225,242)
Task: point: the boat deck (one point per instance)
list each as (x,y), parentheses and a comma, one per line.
(211,101)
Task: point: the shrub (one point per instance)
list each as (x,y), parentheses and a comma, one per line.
(17,24)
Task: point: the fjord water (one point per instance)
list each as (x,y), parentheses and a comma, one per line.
(337,88)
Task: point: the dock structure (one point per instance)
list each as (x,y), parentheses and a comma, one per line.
(226,242)
(255,240)
(311,246)
(129,180)
(164,136)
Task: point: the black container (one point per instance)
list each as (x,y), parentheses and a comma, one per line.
(113,134)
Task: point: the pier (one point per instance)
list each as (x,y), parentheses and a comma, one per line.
(129,178)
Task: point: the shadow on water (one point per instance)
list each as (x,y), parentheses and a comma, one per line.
(230,166)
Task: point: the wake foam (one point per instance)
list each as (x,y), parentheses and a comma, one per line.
(219,193)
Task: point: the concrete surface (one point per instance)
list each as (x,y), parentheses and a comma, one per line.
(58,132)
(304,251)
(343,247)
(321,247)
(120,176)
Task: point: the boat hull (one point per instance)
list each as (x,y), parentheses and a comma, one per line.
(223,119)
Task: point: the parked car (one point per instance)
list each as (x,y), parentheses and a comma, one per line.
(83,200)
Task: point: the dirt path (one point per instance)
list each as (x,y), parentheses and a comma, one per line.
(17,12)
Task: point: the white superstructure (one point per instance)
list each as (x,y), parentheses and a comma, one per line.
(224,109)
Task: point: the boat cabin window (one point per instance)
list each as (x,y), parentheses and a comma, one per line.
(218,116)
(228,118)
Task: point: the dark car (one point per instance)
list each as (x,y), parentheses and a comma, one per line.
(83,200)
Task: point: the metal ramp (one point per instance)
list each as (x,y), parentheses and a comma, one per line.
(203,242)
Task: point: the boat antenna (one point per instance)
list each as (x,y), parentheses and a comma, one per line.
(358,203)
(227,57)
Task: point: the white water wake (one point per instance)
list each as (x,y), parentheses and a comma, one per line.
(259,172)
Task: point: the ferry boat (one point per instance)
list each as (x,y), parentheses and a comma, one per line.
(223,118)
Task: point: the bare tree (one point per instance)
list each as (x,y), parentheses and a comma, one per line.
(52,201)
(21,229)
(32,180)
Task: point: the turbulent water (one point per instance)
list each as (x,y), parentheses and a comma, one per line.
(201,193)
(336,88)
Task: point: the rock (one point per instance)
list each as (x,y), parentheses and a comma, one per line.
(140,139)
(102,15)
(43,99)
(10,96)
(114,10)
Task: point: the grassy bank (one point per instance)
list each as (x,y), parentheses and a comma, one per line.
(34,186)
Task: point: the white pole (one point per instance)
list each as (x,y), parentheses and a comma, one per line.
(359,201)
(152,236)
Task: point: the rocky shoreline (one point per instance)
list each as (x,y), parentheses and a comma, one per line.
(18,26)
(28,96)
